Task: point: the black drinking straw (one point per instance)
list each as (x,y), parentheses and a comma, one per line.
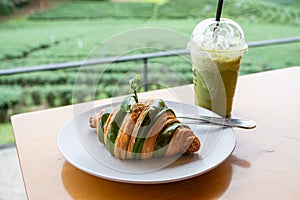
(219,10)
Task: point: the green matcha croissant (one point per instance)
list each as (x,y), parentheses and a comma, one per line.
(147,129)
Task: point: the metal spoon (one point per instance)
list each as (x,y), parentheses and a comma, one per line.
(231,122)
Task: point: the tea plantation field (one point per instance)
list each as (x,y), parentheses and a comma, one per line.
(75,31)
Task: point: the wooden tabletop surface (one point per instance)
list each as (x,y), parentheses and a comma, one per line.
(264,165)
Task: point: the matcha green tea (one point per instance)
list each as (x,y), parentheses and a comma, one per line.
(214,82)
(216,50)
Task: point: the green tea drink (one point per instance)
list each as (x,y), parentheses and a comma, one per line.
(215,81)
(216,63)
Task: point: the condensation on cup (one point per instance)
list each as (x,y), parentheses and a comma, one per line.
(216,51)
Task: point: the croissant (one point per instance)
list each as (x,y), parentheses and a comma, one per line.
(149,129)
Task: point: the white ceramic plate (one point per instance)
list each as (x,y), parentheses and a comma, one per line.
(79,145)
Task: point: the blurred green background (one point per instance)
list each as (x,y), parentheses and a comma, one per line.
(44,32)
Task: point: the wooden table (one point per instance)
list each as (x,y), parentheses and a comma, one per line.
(264,165)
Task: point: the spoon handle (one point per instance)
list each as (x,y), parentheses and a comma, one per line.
(232,122)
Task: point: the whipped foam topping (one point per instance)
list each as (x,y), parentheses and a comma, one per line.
(211,35)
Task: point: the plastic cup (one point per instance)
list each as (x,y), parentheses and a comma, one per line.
(216,50)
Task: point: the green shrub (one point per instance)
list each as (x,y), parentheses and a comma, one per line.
(6,7)
(53,95)
(65,95)
(95,9)
(20,3)
(36,96)
(9,97)
(38,78)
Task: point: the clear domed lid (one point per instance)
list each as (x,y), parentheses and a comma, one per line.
(226,34)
